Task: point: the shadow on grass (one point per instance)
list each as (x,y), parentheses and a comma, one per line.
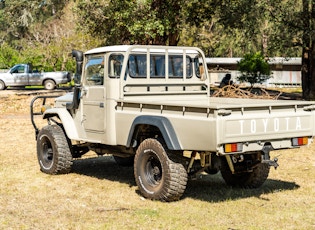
(210,188)
(104,167)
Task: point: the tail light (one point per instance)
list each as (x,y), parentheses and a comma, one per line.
(298,141)
(234,147)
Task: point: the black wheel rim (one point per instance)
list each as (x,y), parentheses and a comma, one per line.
(46,153)
(153,171)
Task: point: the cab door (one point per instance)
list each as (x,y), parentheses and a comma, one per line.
(93,96)
(20,75)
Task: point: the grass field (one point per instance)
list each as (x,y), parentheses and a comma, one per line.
(99,194)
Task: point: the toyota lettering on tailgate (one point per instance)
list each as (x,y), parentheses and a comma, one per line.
(270,125)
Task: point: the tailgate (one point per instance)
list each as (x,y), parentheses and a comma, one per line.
(266,121)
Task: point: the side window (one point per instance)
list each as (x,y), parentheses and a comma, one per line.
(94,70)
(137,65)
(114,65)
(18,69)
(197,67)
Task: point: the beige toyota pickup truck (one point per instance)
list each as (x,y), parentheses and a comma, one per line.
(150,107)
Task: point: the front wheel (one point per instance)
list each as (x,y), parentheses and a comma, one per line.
(157,177)
(53,152)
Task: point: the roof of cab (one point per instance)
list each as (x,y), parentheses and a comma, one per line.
(120,48)
(140,48)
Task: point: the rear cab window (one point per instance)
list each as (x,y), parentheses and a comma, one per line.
(137,66)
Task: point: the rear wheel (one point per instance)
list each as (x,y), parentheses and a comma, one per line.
(157,177)
(49,84)
(246,179)
(53,152)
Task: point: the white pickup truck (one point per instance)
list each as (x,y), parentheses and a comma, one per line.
(150,107)
(24,75)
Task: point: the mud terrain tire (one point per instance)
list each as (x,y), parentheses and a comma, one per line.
(53,152)
(157,177)
(252,179)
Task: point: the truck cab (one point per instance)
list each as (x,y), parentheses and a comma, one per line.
(110,74)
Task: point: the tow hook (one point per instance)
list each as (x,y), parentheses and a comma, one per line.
(266,157)
(271,162)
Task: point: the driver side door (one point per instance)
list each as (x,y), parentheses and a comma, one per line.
(93,96)
(19,75)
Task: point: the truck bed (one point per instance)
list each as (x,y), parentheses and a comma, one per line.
(227,120)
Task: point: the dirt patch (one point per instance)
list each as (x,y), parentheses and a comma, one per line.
(31,91)
(14,103)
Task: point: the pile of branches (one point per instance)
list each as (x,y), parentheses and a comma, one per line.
(233,91)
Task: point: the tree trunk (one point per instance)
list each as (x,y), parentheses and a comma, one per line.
(305,73)
(308,72)
(311,94)
(308,65)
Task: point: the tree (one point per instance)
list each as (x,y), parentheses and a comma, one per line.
(226,28)
(40,32)
(295,29)
(254,69)
(8,56)
(308,52)
(132,22)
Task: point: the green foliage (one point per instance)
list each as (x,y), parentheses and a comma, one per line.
(254,69)
(132,22)
(45,32)
(8,56)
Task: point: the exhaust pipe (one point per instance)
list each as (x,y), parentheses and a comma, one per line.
(78,55)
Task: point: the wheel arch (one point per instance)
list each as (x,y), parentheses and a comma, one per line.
(48,79)
(66,119)
(162,124)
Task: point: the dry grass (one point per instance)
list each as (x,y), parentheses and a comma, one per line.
(98,194)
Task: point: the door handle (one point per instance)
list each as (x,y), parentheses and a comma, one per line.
(102,105)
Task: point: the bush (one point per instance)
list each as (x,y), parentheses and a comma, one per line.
(254,69)
(8,56)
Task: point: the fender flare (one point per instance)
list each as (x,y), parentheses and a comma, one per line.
(163,124)
(66,119)
(48,78)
